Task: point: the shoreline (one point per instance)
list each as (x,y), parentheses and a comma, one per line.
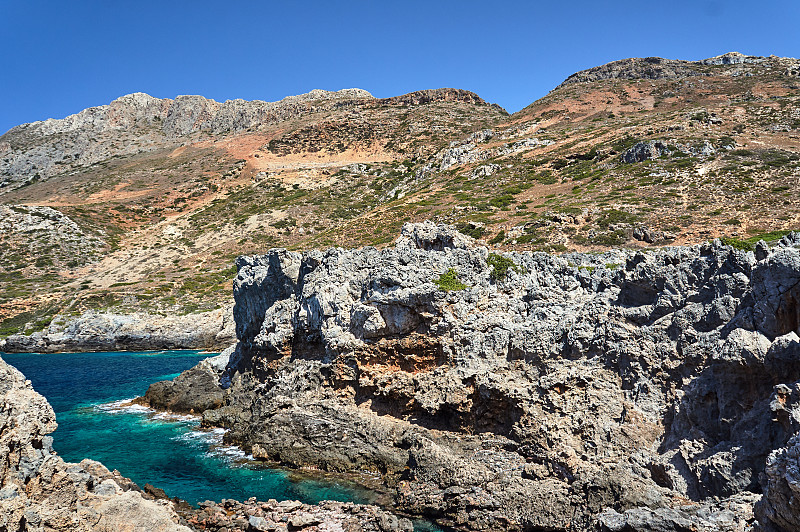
(150,504)
(95,331)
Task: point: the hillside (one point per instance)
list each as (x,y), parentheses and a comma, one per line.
(143,204)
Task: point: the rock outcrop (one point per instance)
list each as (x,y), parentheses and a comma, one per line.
(193,391)
(641,151)
(627,391)
(103,331)
(256,516)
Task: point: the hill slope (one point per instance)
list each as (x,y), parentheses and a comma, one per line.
(635,153)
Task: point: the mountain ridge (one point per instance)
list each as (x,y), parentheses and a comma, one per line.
(594,164)
(661,68)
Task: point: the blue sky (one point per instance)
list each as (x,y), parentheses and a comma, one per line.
(60,57)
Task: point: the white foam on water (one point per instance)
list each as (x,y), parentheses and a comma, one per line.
(169,416)
(124,406)
(229,453)
(211,437)
(199,435)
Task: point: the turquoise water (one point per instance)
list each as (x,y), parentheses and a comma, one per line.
(172,453)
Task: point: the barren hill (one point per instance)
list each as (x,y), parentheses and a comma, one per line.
(160,195)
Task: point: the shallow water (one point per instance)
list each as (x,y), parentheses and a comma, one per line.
(87,390)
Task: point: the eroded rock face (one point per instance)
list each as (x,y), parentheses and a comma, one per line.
(627,385)
(779,510)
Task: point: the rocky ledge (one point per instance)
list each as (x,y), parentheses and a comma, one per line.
(106,331)
(628,391)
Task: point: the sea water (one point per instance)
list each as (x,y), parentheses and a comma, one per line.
(89,393)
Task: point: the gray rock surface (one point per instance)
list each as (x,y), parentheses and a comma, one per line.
(631,391)
(193,391)
(779,510)
(258,516)
(104,331)
(641,151)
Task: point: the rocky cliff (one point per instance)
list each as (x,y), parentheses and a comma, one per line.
(624,391)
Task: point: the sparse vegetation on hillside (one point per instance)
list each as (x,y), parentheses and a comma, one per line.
(596,163)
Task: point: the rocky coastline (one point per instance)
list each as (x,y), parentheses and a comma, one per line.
(108,331)
(624,391)
(631,390)
(39,491)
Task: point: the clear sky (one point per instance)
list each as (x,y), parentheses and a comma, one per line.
(62,56)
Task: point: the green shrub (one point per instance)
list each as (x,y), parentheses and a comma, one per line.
(546,177)
(615,216)
(449,281)
(466,228)
(498,238)
(735,243)
(609,238)
(771,236)
(500,266)
(285,223)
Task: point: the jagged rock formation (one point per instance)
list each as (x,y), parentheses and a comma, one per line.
(779,510)
(105,331)
(625,391)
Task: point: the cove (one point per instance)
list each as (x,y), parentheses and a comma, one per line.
(169,452)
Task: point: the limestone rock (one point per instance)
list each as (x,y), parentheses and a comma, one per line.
(641,151)
(623,391)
